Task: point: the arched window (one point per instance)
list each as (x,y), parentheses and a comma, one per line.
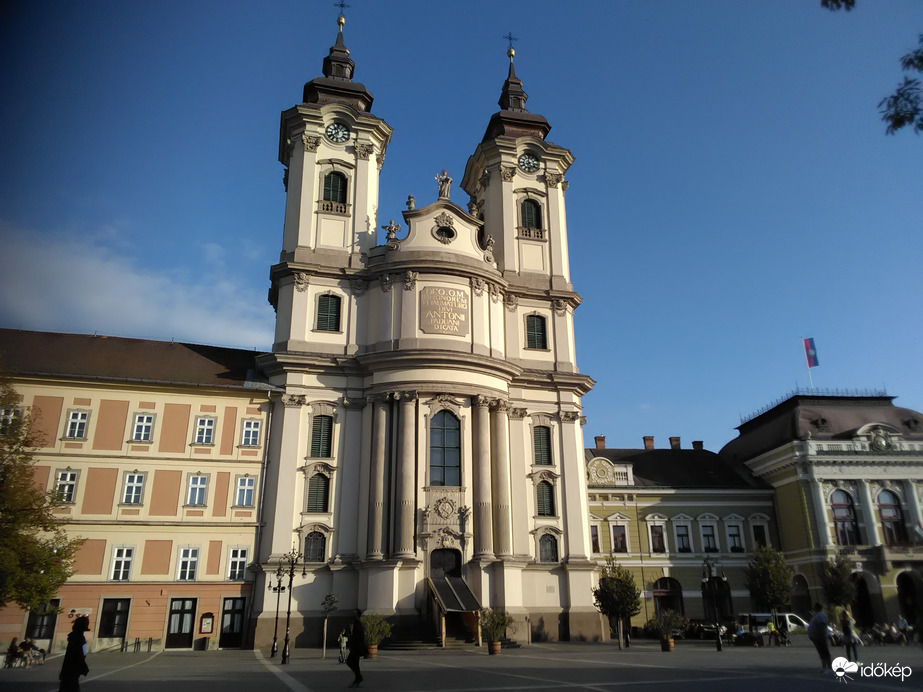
(892,519)
(547,548)
(321,436)
(545,499)
(541,445)
(535,332)
(844,518)
(335,187)
(315,544)
(328,313)
(445,450)
(531,213)
(318,493)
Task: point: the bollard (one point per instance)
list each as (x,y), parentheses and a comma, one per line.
(150,644)
(137,645)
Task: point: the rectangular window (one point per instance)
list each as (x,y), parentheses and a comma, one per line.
(709,542)
(328,313)
(8,420)
(619,540)
(66,486)
(77,424)
(198,485)
(683,544)
(541,445)
(245,487)
(321,436)
(204,431)
(759,535)
(237,564)
(535,332)
(42,621)
(144,426)
(735,540)
(594,538)
(251,435)
(188,561)
(657,543)
(134,489)
(121,563)
(113,618)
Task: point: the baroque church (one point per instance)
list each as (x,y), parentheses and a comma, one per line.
(427,449)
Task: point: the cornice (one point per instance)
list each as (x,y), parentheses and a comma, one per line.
(438,359)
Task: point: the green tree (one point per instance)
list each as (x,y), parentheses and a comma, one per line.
(903,108)
(617,596)
(36,555)
(836,580)
(769,579)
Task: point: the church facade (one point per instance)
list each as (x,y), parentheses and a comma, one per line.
(429,425)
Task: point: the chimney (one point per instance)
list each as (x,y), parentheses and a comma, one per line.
(698,444)
(674,443)
(648,442)
(600,441)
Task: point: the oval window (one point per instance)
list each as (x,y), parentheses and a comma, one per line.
(445,233)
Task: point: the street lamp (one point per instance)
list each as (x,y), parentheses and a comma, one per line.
(292,559)
(278,589)
(710,578)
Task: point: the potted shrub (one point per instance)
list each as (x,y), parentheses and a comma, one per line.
(377,629)
(663,626)
(494,623)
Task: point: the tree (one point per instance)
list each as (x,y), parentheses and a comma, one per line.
(617,596)
(836,580)
(36,555)
(327,606)
(903,108)
(769,579)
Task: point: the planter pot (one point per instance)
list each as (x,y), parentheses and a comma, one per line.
(666,644)
(493,648)
(373,650)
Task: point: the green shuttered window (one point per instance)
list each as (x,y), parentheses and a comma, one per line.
(545,499)
(328,313)
(318,493)
(541,443)
(531,214)
(321,434)
(535,332)
(335,188)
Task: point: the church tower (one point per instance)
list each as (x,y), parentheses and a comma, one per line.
(426,453)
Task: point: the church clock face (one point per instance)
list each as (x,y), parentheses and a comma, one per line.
(337,132)
(528,163)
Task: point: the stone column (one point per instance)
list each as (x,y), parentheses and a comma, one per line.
(403,537)
(377,475)
(500,470)
(483,515)
(869,516)
(913,507)
(820,512)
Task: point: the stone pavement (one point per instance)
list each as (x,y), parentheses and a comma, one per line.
(694,665)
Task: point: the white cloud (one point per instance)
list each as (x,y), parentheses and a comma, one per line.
(55,283)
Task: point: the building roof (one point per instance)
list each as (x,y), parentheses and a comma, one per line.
(819,417)
(83,356)
(678,468)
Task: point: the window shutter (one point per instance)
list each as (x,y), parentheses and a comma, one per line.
(545,501)
(535,332)
(328,313)
(318,487)
(531,214)
(320,436)
(335,188)
(541,440)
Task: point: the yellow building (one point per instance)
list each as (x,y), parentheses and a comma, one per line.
(156,451)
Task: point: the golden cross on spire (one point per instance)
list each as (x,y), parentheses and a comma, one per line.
(342,5)
(509,37)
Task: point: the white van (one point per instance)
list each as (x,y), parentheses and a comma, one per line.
(759,622)
(790,621)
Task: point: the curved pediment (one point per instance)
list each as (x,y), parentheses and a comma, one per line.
(601,471)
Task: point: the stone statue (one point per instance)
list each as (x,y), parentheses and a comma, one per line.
(444,181)
(411,203)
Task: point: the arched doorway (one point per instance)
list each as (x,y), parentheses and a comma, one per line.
(716,592)
(910,595)
(868,608)
(445,562)
(668,595)
(801,597)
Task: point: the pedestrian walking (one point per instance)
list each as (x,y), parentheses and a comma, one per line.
(75,657)
(818,633)
(357,649)
(341,640)
(848,627)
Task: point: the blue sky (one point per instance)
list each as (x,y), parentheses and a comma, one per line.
(733,188)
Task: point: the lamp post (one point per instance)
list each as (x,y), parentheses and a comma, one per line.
(278,589)
(291,558)
(709,580)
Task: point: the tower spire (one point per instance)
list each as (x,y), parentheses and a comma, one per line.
(336,84)
(514,120)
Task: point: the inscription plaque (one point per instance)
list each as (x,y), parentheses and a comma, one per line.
(444,310)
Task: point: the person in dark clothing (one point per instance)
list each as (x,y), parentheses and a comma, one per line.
(75,657)
(357,649)
(817,633)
